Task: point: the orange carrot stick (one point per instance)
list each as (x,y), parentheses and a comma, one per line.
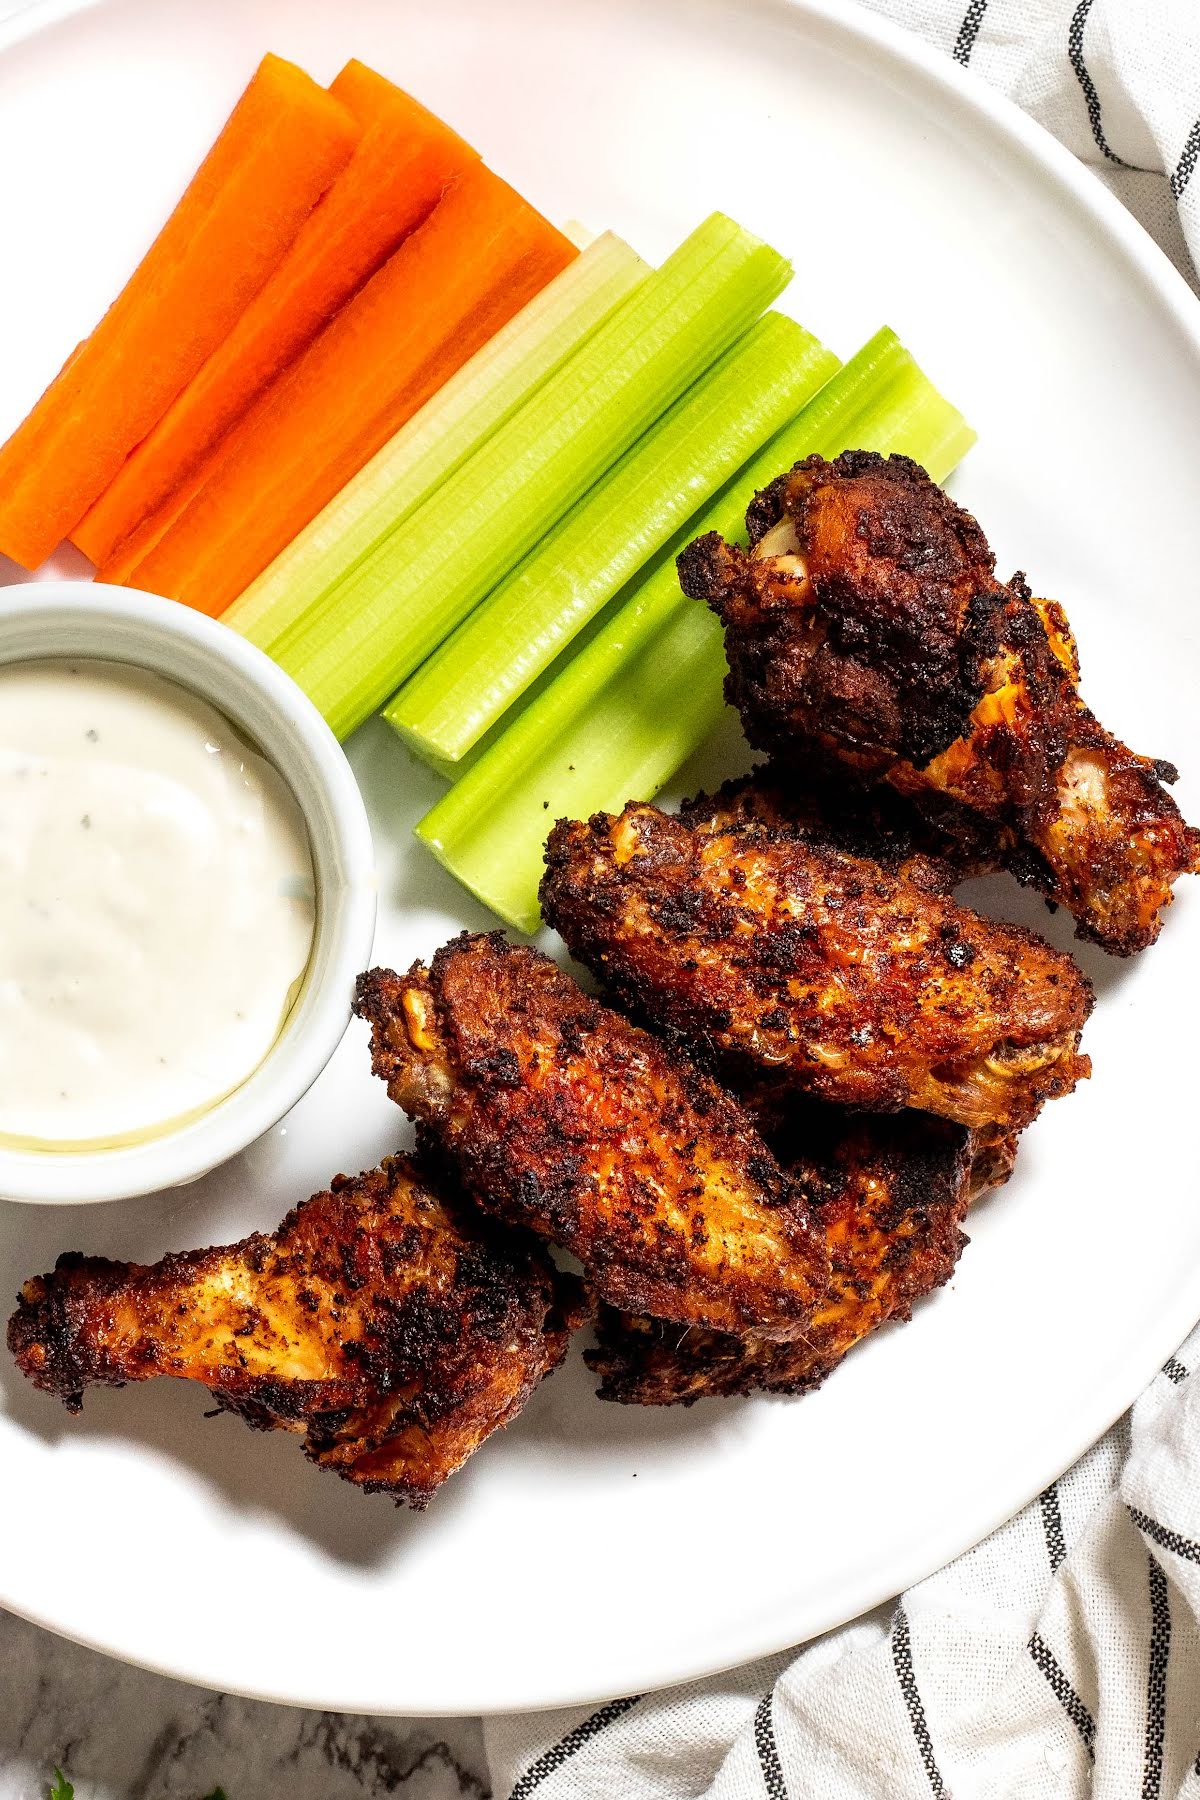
(286,140)
(476,260)
(133,550)
(395,178)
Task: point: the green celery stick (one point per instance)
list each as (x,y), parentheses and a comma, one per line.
(626,713)
(460,693)
(476,401)
(383,619)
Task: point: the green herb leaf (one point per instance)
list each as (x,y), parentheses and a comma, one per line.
(60,1788)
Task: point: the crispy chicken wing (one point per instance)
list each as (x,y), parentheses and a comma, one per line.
(796,966)
(867,623)
(890,1194)
(391,1328)
(937,848)
(562,1116)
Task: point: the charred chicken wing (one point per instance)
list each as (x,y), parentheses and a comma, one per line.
(867,623)
(890,1195)
(390,1328)
(561,1116)
(798,967)
(937,852)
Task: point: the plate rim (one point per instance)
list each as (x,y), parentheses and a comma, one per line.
(849,28)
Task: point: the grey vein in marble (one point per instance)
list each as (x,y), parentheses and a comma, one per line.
(122,1734)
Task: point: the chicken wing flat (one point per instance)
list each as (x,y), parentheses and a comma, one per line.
(937,848)
(392,1329)
(561,1116)
(867,623)
(890,1195)
(796,967)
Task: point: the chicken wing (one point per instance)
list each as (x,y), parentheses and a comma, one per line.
(937,848)
(890,1194)
(797,967)
(391,1328)
(867,623)
(561,1116)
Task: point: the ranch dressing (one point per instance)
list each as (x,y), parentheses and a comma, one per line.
(156,905)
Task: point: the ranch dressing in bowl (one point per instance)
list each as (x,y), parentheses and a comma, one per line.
(156,905)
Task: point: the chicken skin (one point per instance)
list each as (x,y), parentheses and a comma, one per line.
(796,967)
(393,1329)
(936,852)
(867,624)
(890,1195)
(561,1116)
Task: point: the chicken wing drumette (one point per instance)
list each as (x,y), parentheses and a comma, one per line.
(867,623)
(890,1195)
(561,1116)
(797,967)
(391,1328)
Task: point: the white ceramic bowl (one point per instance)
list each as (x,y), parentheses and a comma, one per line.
(77,618)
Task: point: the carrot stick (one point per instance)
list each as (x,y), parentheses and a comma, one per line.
(133,550)
(476,260)
(395,178)
(286,140)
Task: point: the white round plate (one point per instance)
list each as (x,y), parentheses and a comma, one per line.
(592,1549)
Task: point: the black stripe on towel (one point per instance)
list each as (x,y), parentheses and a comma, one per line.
(1173,1369)
(902,1658)
(1052,1525)
(1091,98)
(1169,1540)
(559,1753)
(768,1750)
(1064,1693)
(1179,180)
(968,31)
(1156,1683)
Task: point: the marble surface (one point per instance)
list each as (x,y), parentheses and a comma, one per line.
(122,1734)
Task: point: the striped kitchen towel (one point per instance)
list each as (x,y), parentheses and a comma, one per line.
(1060,1659)
(1118,81)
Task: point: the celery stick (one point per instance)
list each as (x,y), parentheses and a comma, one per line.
(460,693)
(475,401)
(380,622)
(622,716)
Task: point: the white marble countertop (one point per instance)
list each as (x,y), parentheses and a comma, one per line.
(122,1734)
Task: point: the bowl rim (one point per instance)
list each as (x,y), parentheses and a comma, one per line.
(207,658)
